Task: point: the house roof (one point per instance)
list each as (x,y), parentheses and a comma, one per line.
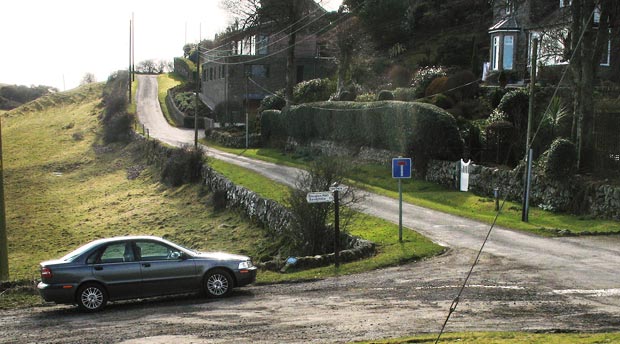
(506,24)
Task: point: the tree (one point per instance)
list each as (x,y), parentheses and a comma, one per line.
(348,41)
(386,20)
(310,232)
(88,78)
(588,42)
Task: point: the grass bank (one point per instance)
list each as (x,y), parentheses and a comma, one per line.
(378,179)
(64,188)
(383,233)
(166,82)
(508,338)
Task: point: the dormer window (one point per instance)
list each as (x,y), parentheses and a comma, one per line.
(565,3)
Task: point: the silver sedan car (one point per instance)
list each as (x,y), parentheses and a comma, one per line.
(137,267)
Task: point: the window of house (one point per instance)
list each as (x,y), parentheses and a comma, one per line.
(508,52)
(262,43)
(495,53)
(257,71)
(606,55)
(597,15)
(565,3)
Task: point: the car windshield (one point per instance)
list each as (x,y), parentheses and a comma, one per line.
(79,251)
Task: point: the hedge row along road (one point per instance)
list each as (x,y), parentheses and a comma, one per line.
(522,283)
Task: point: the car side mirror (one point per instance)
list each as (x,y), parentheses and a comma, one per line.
(177,255)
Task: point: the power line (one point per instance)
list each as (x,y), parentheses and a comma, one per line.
(277,33)
(331,24)
(456,300)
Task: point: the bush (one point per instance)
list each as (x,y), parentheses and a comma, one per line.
(386,125)
(116,122)
(313,91)
(560,161)
(186,102)
(515,105)
(366,97)
(424,76)
(272,126)
(462,85)
(442,101)
(273,102)
(399,76)
(385,95)
(436,86)
(405,94)
(310,233)
(183,166)
(117,128)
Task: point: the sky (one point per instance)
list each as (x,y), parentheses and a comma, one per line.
(56,42)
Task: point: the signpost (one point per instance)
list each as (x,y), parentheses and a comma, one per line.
(401,169)
(320,197)
(328,197)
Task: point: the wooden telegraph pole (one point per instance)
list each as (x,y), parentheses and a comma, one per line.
(4,247)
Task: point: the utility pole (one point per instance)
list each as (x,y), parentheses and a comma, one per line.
(133,48)
(247,105)
(130,57)
(528,139)
(4,247)
(198,80)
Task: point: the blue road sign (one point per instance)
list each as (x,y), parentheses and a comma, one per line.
(401,168)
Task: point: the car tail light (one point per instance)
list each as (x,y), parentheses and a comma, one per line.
(46,273)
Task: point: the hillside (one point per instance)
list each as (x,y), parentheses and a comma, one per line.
(64,188)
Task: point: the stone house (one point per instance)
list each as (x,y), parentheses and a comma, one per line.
(251,64)
(518,22)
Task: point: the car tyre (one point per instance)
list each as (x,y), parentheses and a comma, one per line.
(218,283)
(92,297)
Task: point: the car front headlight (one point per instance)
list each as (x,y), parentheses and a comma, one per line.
(245,265)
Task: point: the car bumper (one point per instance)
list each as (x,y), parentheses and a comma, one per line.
(245,276)
(59,293)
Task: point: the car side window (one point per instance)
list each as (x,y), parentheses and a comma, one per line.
(117,253)
(150,251)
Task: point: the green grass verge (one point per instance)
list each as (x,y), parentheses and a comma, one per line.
(166,82)
(377,178)
(508,338)
(132,108)
(63,189)
(385,234)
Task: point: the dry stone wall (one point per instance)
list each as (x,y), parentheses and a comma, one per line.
(572,195)
(270,214)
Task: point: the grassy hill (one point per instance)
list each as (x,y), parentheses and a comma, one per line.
(64,188)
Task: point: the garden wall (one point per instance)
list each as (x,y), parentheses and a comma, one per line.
(573,195)
(181,119)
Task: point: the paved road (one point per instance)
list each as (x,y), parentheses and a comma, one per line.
(582,263)
(523,283)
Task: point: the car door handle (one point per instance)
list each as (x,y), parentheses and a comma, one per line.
(146,265)
(98,268)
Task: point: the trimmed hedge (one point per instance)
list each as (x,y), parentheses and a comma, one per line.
(422,131)
(560,161)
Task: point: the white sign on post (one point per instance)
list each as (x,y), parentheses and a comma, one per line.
(465,175)
(320,197)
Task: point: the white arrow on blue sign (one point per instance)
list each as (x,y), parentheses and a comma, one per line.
(401,168)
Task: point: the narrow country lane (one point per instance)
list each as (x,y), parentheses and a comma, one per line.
(523,283)
(579,263)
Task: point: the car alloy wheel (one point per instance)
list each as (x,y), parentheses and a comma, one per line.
(92,298)
(218,283)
